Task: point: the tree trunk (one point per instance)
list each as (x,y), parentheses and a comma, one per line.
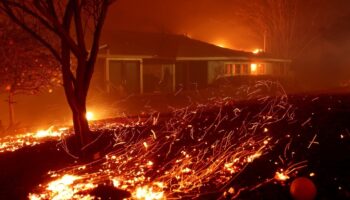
(11,109)
(81,125)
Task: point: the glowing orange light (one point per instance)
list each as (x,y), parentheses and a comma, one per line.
(280,176)
(256,51)
(13,143)
(253,67)
(89,116)
(47,133)
(148,193)
(221,45)
(129,168)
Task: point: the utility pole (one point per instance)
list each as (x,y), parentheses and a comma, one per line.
(265,33)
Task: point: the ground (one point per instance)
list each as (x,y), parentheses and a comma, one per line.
(220,149)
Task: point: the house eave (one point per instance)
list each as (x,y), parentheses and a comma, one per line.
(241,58)
(210,58)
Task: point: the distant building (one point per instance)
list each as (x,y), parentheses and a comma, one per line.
(155,62)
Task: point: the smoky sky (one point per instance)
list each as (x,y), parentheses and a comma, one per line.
(206,20)
(212,21)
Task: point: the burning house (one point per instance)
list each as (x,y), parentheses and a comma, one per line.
(154,62)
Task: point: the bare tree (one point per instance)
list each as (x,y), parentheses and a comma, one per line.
(286,26)
(68,29)
(26,68)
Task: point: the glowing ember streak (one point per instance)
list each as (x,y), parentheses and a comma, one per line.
(191,151)
(145,145)
(149,163)
(253,157)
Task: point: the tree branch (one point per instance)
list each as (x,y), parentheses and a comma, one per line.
(12,16)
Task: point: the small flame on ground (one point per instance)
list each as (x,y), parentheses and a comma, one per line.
(148,193)
(13,143)
(281,176)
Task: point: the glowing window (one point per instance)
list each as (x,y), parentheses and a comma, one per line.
(253,68)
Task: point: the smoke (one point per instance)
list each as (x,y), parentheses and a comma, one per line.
(209,21)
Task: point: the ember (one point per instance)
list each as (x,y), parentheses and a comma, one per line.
(191,151)
(13,143)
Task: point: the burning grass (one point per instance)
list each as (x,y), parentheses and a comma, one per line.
(200,151)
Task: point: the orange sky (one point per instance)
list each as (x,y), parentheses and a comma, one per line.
(212,21)
(206,20)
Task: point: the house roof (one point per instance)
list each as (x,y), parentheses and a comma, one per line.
(168,46)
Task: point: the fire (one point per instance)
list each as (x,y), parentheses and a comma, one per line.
(253,68)
(257,51)
(148,193)
(62,183)
(13,143)
(90,116)
(180,160)
(64,188)
(48,133)
(281,176)
(221,45)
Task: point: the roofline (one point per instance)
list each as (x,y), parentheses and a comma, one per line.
(219,58)
(125,56)
(233,58)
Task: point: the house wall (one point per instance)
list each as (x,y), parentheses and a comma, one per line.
(124,76)
(158,77)
(215,70)
(218,69)
(166,75)
(191,74)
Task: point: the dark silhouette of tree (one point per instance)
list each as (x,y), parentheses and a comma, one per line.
(69,29)
(26,68)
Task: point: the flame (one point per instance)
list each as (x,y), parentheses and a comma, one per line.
(61,189)
(181,159)
(90,116)
(148,193)
(48,133)
(281,176)
(253,68)
(13,143)
(257,51)
(221,45)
